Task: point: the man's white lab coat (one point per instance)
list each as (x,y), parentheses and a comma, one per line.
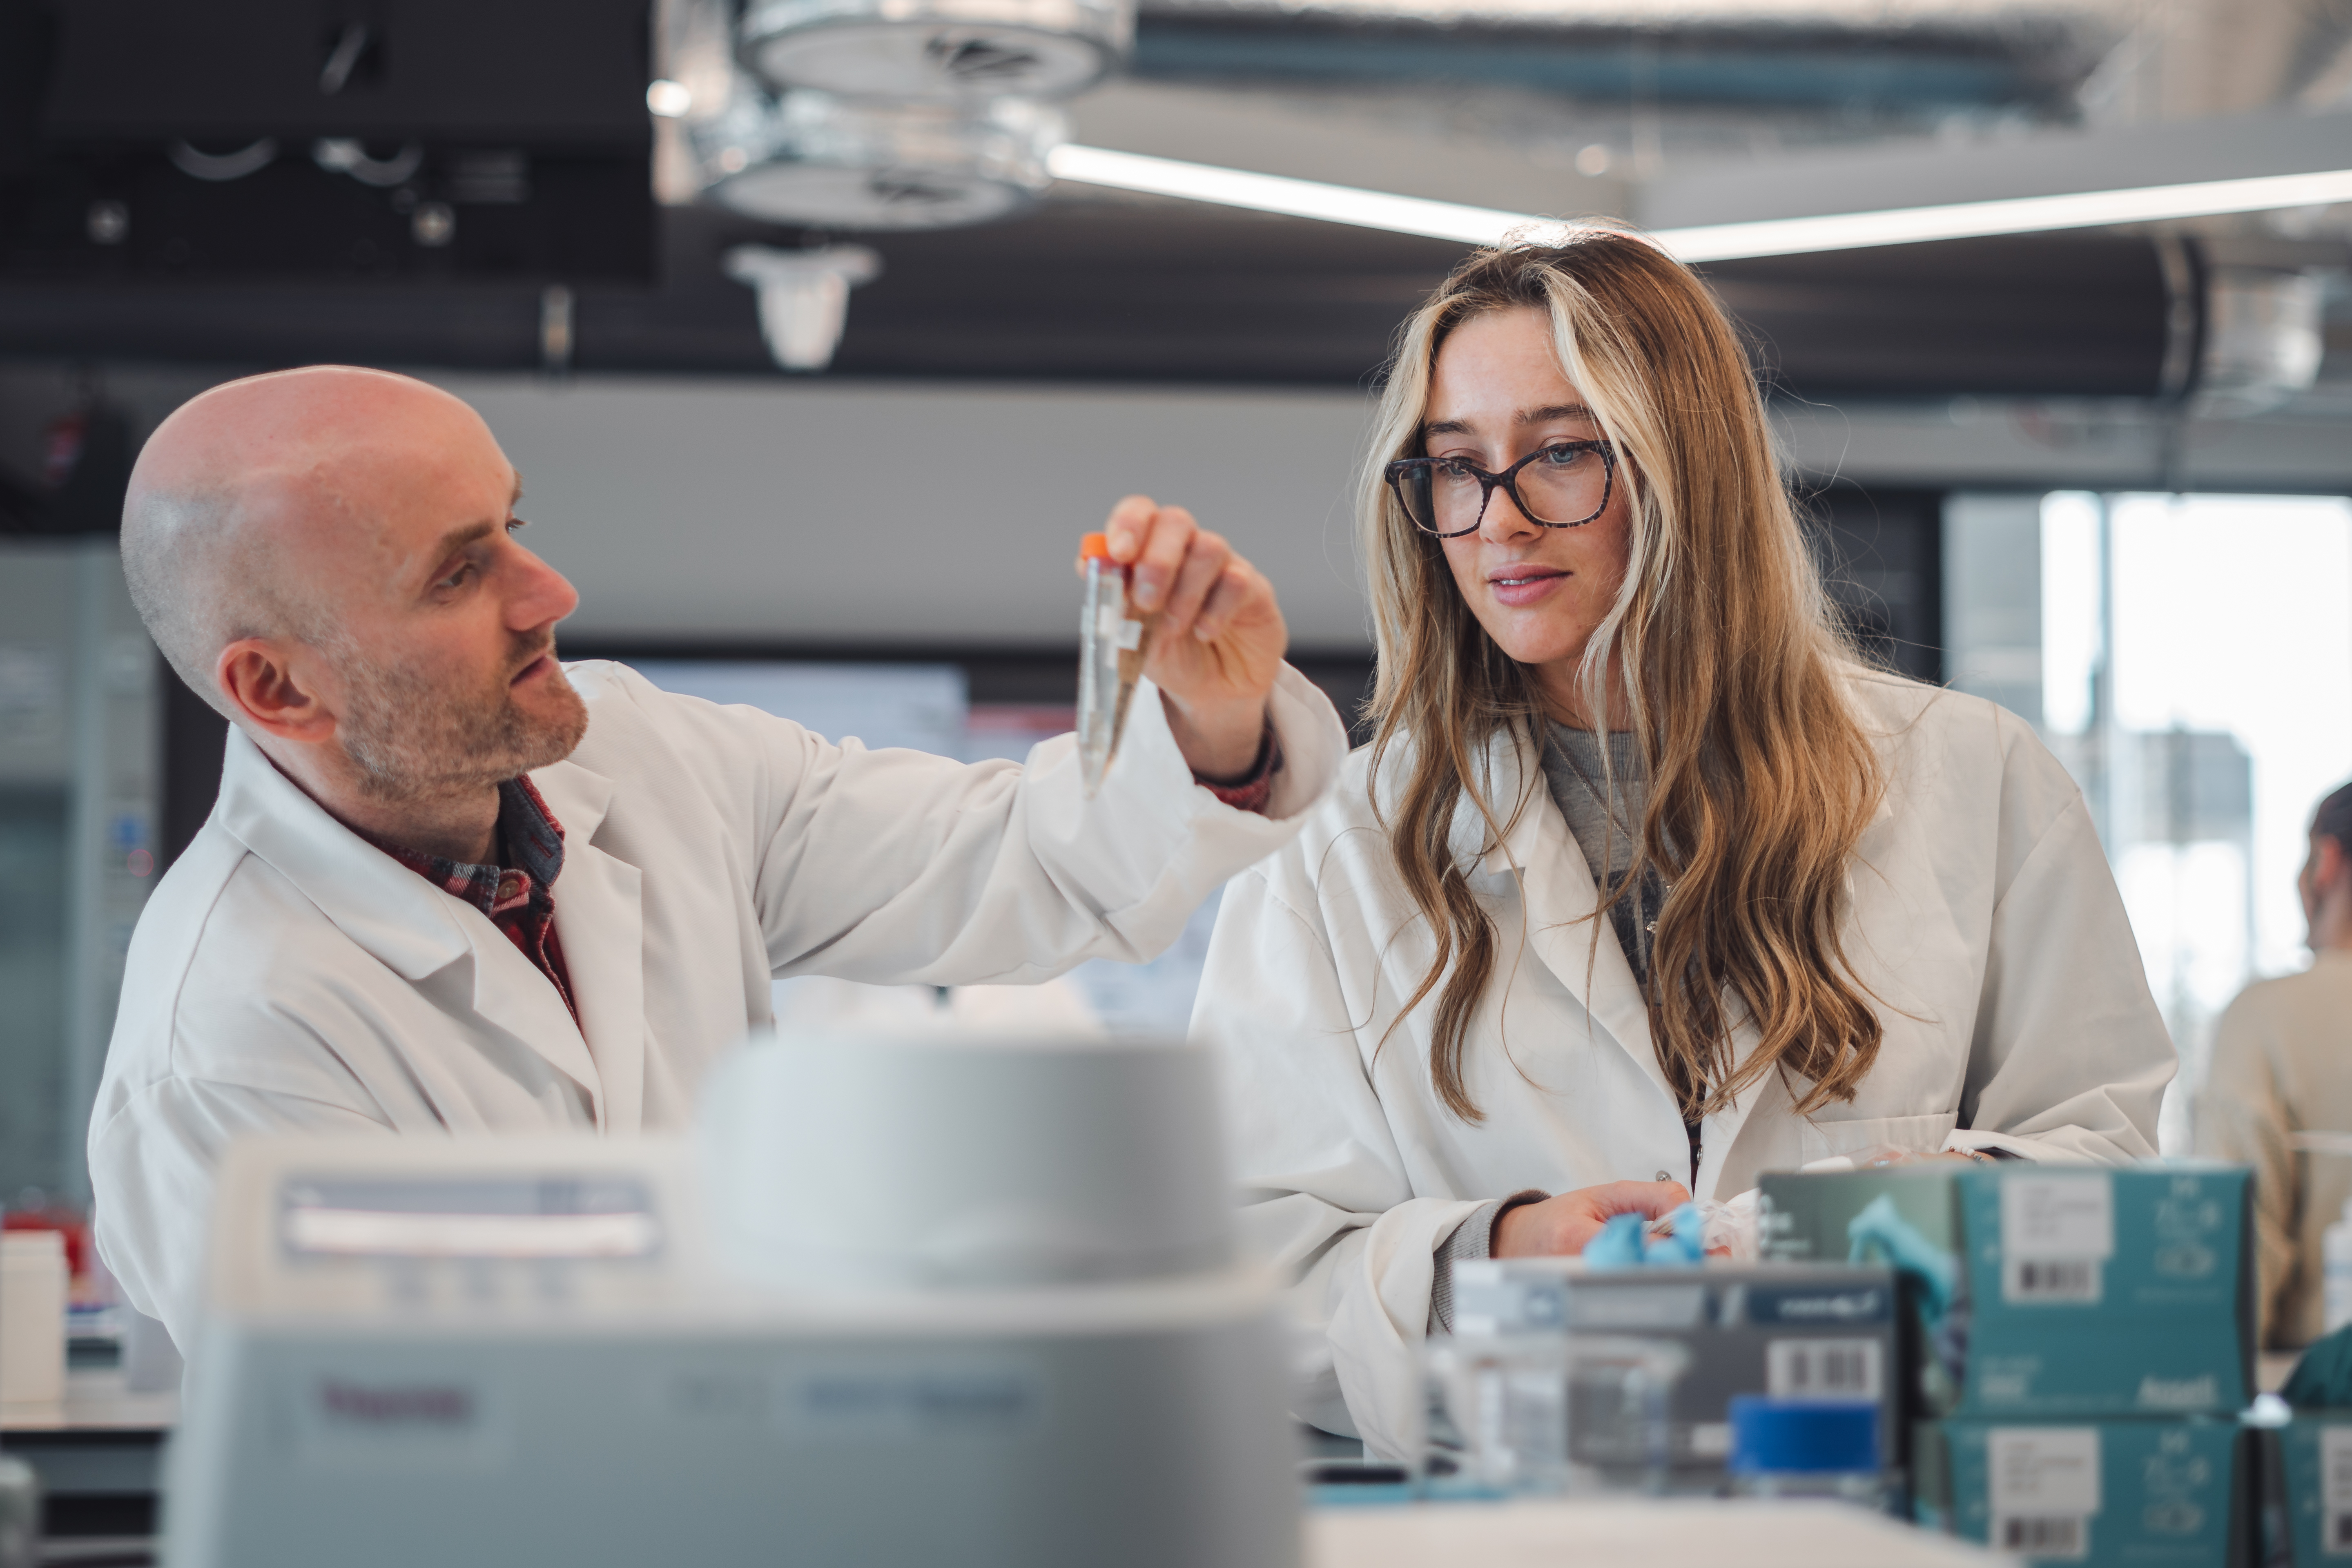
(1983,917)
(287,976)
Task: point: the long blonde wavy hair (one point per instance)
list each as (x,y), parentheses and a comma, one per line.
(1761,779)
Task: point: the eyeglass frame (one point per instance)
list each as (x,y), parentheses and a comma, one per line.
(1506,481)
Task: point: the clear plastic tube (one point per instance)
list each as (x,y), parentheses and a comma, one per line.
(1112,642)
(1549,1414)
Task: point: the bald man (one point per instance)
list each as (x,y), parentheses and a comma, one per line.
(453,885)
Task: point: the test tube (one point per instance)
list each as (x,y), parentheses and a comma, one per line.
(1112,643)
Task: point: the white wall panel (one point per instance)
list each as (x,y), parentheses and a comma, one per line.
(870,514)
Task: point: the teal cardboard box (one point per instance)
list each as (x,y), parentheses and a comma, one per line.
(2046,1291)
(2315,1453)
(2150,1493)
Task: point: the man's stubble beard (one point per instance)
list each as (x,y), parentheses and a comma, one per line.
(410,740)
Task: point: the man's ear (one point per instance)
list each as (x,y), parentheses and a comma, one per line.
(259,677)
(2332,864)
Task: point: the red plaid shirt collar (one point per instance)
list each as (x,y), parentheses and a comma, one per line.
(520,898)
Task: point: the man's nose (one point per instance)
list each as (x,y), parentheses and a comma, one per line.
(543,596)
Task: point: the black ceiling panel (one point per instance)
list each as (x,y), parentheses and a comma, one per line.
(158,140)
(2081,315)
(542,72)
(1159,292)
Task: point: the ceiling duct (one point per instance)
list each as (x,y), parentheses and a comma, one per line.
(2264,339)
(938,49)
(815,159)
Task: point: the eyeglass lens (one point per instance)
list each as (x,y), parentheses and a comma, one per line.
(1563,485)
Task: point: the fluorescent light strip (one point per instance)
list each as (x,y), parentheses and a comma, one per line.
(1280,194)
(2016,214)
(1711,242)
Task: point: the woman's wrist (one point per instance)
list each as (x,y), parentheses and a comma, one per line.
(1519,1203)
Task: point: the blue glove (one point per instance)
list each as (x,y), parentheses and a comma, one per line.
(1619,1244)
(1686,1247)
(1880,1234)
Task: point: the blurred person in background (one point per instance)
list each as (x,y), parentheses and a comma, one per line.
(2283,1065)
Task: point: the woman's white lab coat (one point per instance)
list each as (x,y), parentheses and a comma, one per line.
(1983,917)
(287,976)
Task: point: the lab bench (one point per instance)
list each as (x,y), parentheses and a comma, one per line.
(100,1458)
(100,1463)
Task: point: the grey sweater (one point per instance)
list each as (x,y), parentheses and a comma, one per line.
(1607,829)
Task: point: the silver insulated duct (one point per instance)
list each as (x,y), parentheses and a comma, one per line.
(937,50)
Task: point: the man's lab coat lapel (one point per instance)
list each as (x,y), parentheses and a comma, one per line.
(600,920)
(399,919)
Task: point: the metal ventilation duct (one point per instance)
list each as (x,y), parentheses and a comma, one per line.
(938,49)
(832,163)
(2263,339)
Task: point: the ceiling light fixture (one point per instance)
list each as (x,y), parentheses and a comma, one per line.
(849,164)
(1710,242)
(803,296)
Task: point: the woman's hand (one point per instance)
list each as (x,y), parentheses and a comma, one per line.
(1561,1226)
(1219,641)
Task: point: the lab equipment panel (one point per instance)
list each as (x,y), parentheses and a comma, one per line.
(601,1447)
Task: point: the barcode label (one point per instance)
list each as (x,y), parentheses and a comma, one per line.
(1823,1369)
(2043,1472)
(2045,1535)
(2336,1491)
(2070,1215)
(2052,1280)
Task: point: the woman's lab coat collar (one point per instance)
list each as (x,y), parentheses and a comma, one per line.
(1567,931)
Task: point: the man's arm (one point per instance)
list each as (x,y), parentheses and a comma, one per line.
(898,868)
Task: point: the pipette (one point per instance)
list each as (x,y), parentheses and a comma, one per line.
(1112,643)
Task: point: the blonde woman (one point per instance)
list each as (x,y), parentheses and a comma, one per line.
(1645,884)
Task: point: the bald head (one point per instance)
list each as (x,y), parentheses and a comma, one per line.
(259,508)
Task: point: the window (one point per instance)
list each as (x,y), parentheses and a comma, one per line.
(2189,658)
